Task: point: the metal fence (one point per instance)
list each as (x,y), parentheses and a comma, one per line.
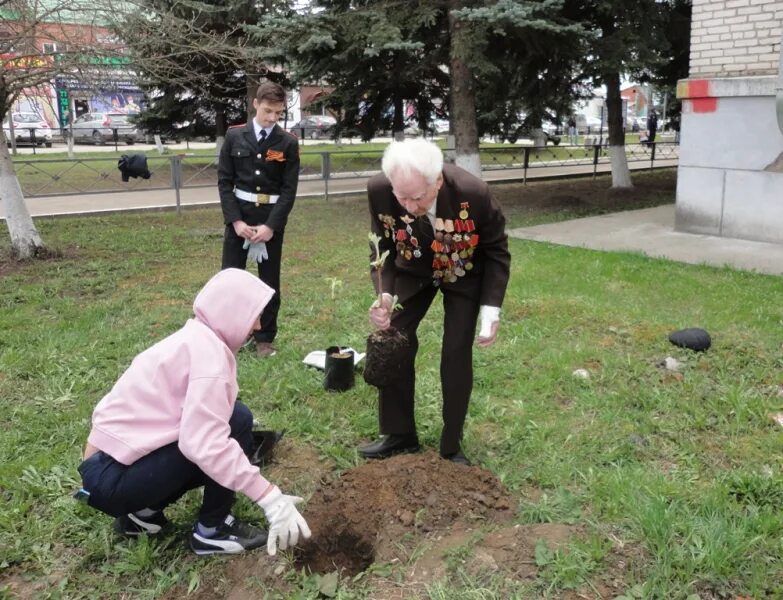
(57,177)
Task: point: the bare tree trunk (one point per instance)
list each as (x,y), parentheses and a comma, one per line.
(463,102)
(25,240)
(398,124)
(220,127)
(621,174)
(251,85)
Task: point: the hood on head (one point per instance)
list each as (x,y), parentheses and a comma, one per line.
(230,303)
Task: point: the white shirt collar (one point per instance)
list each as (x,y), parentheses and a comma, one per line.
(258,129)
(432,212)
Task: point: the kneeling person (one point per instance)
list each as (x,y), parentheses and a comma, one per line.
(172,423)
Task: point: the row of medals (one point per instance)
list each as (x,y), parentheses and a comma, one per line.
(452,251)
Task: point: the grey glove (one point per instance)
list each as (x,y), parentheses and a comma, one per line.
(256,251)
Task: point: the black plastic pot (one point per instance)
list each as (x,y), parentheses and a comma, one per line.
(338,369)
(264,443)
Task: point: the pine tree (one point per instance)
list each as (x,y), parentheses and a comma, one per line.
(625,38)
(194,62)
(455,57)
(378,56)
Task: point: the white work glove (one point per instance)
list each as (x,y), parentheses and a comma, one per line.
(285,522)
(380,314)
(256,251)
(488,330)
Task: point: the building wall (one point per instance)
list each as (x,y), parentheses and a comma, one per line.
(735,37)
(730,179)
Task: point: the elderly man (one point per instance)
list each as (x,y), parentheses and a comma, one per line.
(445,232)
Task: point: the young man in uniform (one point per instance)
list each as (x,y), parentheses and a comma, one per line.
(258,172)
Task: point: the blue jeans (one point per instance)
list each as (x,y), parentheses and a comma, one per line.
(161,477)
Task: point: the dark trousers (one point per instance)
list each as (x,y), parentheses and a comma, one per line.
(461,306)
(268,272)
(161,478)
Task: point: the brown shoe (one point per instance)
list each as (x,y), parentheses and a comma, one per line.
(265,349)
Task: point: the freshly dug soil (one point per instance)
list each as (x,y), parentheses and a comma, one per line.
(387,353)
(358,517)
(409,511)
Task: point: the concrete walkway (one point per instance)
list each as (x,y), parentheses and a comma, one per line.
(651,232)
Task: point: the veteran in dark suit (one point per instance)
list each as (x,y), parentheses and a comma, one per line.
(258,173)
(445,233)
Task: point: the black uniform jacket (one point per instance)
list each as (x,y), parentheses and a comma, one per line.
(469,239)
(272,168)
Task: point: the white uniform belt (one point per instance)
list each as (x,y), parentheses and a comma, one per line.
(256,198)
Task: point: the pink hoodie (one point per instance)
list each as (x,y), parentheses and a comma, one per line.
(184,388)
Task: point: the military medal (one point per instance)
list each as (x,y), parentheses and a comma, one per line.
(408,245)
(388,224)
(453,247)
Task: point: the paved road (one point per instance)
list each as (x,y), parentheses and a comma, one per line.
(23,152)
(203,196)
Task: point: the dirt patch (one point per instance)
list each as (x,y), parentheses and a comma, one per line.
(296,467)
(509,550)
(357,519)
(407,523)
(10,265)
(585,195)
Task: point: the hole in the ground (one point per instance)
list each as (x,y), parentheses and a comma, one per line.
(344,551)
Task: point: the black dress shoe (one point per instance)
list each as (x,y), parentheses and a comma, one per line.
(459,458)
(389,445)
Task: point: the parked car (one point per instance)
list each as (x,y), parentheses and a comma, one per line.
(28,125)
(99,127)
(314,127)
(440,126)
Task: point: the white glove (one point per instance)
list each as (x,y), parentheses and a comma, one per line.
(285,522)
(256,251)
(489,314)
(488,330)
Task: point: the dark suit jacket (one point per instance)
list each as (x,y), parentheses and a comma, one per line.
(489,261)
(272,170)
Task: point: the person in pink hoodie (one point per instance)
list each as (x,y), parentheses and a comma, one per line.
(172,423)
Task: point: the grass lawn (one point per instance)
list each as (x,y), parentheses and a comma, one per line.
(670,483)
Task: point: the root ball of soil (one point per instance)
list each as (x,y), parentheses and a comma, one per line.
(388,352)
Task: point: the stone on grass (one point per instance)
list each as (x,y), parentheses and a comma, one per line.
(692,338)
(670,364)
(777,418)
(581,374)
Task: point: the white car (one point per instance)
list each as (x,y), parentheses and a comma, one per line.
(440,126)
(29,126)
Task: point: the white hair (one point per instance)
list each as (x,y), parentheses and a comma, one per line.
(413,155)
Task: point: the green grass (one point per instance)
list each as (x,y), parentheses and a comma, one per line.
(680,477)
